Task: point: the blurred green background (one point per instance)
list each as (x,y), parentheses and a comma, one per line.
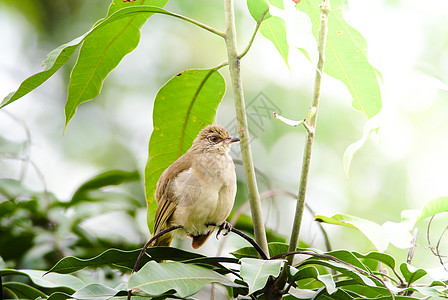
(401,167)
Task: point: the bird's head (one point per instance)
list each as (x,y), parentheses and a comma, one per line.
(214,138)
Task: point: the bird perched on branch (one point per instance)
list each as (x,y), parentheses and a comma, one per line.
(197,191)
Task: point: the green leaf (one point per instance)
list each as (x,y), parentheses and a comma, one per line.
(183,106)
(127,259)
(124,20)
(277,3)
(342,268)
(411,274)
(371,230)
(384,258)
(95,291)
(305,53)
(311,272)
(110,257)
(434,207)
(59,296)
(51,280)
(256,272)
(58,57)
(54,61)
(108,178)
(23,291)
(275,248)
(427,291)
(175,254)
(346,57)
(257,8)
(301,293)
(389,298)
(356,287)
(274,29)
(340,294)
(101,52)
(354,147)
(186,280)
(348,257)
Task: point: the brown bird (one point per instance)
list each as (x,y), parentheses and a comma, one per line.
(198,189)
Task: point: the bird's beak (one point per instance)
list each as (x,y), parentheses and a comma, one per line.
(231,140)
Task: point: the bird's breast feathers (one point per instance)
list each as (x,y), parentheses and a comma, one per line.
(204,194)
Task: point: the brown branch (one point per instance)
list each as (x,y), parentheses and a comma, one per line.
(152,239)
(251,241)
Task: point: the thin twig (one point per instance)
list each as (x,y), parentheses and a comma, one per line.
(152,239)
(26,148)
(439,255)
(36,169)
(412,248)
(390,278)
(435,250)
(251,41)
(251,241)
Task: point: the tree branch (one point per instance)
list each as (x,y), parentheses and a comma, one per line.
(325,10)
(243,131)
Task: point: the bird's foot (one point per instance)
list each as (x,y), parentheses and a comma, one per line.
(224,226)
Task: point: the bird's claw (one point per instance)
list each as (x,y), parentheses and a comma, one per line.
(224,226)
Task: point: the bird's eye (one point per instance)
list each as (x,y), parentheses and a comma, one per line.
(214,139)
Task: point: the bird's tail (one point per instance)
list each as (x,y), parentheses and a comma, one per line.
(199,240)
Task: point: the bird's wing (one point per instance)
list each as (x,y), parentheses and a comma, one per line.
(166,204)
(165,210)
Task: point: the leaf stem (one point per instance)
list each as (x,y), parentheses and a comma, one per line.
(203,26)
(251,41)
(243,131)
(157,10)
